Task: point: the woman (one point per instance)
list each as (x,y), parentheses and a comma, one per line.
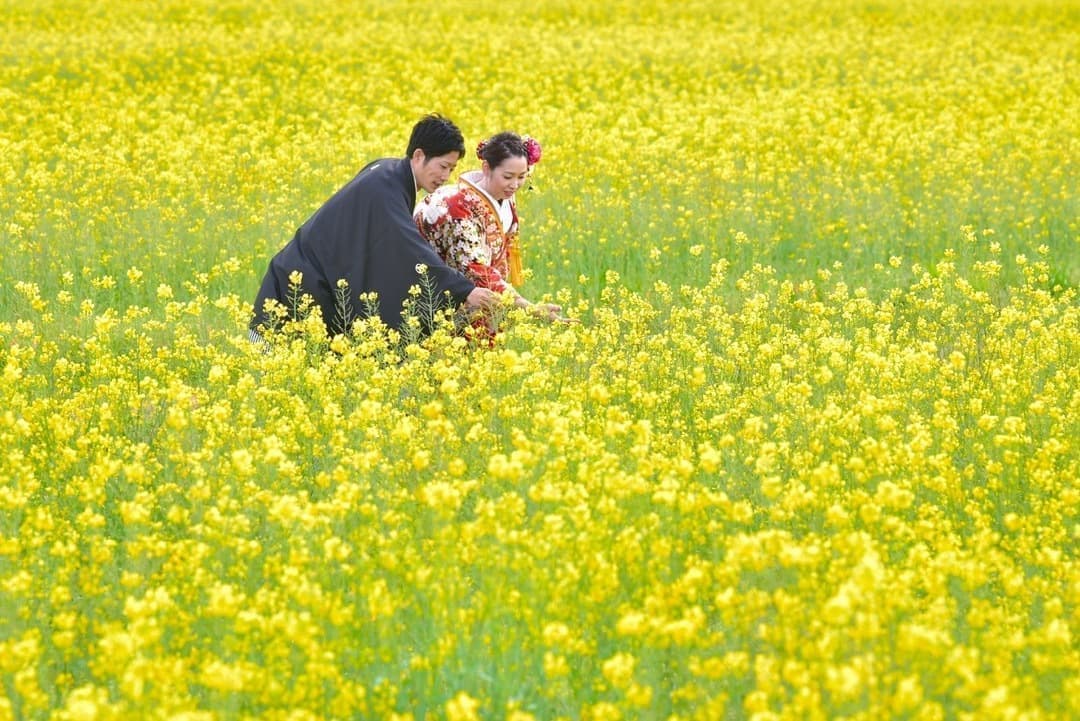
(473,225)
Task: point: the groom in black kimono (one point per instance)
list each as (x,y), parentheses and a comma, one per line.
(365,234)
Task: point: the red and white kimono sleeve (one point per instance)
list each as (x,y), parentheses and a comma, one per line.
(467,235)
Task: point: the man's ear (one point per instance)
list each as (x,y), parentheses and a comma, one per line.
(418,155)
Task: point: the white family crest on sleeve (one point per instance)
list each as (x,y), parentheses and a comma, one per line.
(431,212)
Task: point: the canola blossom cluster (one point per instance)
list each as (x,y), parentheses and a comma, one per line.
(859,508)
(811,452)
(166,139)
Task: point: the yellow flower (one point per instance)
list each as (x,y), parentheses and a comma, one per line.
(462,708)
(603,711)
(631,624)
(619,670)
(555,665)
(86,703)
(519,715)
(222,677)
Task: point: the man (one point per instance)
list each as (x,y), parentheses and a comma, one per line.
(365,235)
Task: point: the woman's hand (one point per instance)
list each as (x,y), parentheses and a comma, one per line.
(550,312)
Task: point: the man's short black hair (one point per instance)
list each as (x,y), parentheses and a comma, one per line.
(436,136)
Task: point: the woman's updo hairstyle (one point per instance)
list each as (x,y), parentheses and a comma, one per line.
(499,147)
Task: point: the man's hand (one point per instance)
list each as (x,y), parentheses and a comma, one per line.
(482,299)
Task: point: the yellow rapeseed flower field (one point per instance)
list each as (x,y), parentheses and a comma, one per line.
(812,452)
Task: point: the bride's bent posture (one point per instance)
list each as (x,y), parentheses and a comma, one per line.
(473,224)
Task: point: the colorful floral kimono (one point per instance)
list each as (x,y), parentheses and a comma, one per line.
(473,233)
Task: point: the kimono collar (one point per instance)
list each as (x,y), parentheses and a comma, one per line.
(408,180)
(503,209)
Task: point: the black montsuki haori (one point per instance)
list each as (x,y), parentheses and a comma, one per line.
(364,234)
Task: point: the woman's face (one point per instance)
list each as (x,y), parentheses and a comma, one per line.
(504,180)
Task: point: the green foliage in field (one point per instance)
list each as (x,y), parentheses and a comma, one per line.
(812,452)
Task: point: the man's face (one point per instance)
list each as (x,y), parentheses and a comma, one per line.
(432,172)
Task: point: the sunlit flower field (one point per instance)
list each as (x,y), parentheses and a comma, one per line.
(811,453)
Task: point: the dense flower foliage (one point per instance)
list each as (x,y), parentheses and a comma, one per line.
(812,452)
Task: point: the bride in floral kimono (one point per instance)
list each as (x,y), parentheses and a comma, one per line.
(473,224)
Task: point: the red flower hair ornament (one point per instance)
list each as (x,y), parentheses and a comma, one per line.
(532,148)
